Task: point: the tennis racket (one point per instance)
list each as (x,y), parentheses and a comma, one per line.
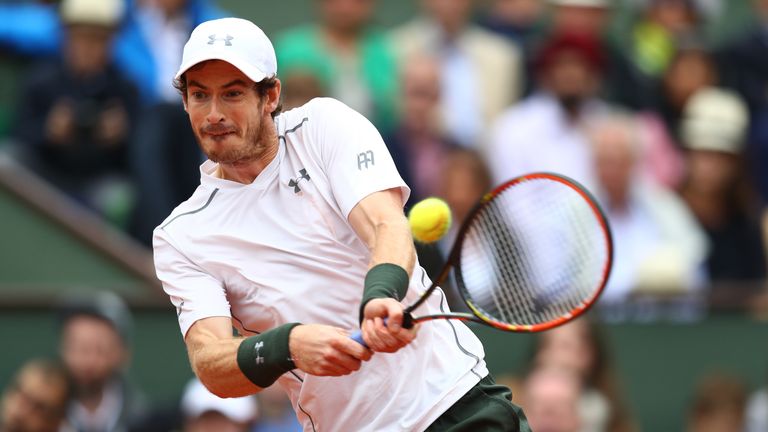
(534,253)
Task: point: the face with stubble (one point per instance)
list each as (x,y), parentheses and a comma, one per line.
(227,115)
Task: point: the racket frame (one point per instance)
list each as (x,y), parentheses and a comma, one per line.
(454,263)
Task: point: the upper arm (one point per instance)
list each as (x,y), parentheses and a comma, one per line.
(353,154)
(194,292)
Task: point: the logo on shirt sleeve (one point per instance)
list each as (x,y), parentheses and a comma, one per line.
(363,159)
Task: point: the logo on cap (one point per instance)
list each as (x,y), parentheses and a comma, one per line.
(214,37)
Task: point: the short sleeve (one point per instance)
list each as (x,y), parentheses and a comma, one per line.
(354,155)
(195,293)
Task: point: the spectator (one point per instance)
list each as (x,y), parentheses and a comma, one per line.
(580,346)
(591,18)
(163,157)
(203,411)
(659,248)
(76,115)
(546,132)
(692,68)
(481,72)
(757,411)
(717,189)
(36,399)
(417,146)
(465,179)
(144,40)
(275,412)
(743,65)
(149,44)
(718,405)
(552,398)
(743,61)
(348,57)
(655,35)
(95,340)
(523,22)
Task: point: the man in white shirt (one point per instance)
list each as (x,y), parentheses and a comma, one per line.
(296,236)
(546,132)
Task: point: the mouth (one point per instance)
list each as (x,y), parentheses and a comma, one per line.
(219,135)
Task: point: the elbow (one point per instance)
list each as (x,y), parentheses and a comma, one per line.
(223,389)
(218,390)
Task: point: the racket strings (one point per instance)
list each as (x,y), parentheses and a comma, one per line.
(533,254)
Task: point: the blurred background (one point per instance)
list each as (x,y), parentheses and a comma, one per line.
(659,107)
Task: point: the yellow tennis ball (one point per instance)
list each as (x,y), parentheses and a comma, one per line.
(430,219)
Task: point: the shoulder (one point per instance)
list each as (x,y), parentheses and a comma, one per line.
(533,107)
(322,108)
(199,201)
(43,73)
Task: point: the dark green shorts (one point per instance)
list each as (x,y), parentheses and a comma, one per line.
(486,407)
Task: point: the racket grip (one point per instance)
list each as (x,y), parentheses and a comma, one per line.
(357,335)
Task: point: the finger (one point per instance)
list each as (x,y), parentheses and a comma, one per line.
(375,308)
(377,338)
(347,362)
(352,348)
(388,342)
(394,316)
(371,336)
(330,369)
(338,361)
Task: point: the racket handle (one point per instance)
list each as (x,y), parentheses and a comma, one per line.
(357,335)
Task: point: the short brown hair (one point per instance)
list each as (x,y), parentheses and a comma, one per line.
(261,88)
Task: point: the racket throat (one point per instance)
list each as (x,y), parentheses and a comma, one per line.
(407,320)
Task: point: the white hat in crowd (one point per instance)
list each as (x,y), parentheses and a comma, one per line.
(233,40)
(107,13)
(197,400)
(715,119)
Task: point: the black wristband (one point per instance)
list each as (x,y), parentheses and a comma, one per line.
(263,358)
(384,281)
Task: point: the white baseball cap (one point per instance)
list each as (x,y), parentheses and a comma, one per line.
(715,119)
(236,41)
(197,400)
(107,13)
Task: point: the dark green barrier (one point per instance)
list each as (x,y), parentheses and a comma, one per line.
(659,364)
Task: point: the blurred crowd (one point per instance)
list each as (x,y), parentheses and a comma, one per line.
(667,127)
(86,387)
(568,383)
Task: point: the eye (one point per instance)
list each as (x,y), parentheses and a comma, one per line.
(198,95)
(233,93)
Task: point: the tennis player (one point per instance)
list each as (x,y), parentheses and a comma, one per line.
(296,237)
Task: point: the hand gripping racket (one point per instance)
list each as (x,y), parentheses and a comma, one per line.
(533,253)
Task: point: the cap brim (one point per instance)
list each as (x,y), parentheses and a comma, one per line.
(245,67)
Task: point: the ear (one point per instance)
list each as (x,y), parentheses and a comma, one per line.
(273,97)
(184,102)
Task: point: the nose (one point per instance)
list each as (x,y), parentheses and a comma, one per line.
(215,114)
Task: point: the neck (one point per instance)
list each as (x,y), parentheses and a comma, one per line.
(245,172)
(91,399)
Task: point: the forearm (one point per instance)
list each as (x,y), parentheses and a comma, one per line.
(393,244)
(215,364)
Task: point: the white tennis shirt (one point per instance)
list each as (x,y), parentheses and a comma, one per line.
(281,250)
